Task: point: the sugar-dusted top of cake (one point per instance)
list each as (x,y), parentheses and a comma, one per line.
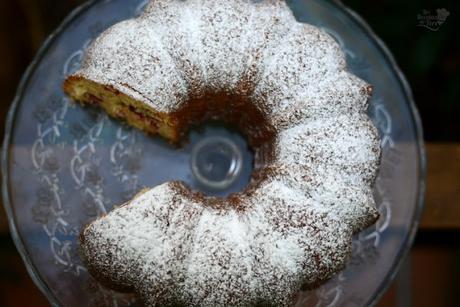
(179,48)
(295,226)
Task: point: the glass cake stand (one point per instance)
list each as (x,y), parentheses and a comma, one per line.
(64,165)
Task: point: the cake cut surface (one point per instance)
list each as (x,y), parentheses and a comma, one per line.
(284,84)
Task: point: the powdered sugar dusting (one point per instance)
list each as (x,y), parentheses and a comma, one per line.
(304,77)
(171,248)
(146,76)
(296,227)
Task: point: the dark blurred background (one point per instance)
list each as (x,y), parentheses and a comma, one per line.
(431,62)
(429,59)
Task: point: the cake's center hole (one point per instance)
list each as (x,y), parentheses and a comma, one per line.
(220,160)
(234,146)
(216,162)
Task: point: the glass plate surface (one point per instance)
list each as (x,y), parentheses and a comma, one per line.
(63,165)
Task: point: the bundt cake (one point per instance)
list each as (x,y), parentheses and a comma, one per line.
(284,84)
